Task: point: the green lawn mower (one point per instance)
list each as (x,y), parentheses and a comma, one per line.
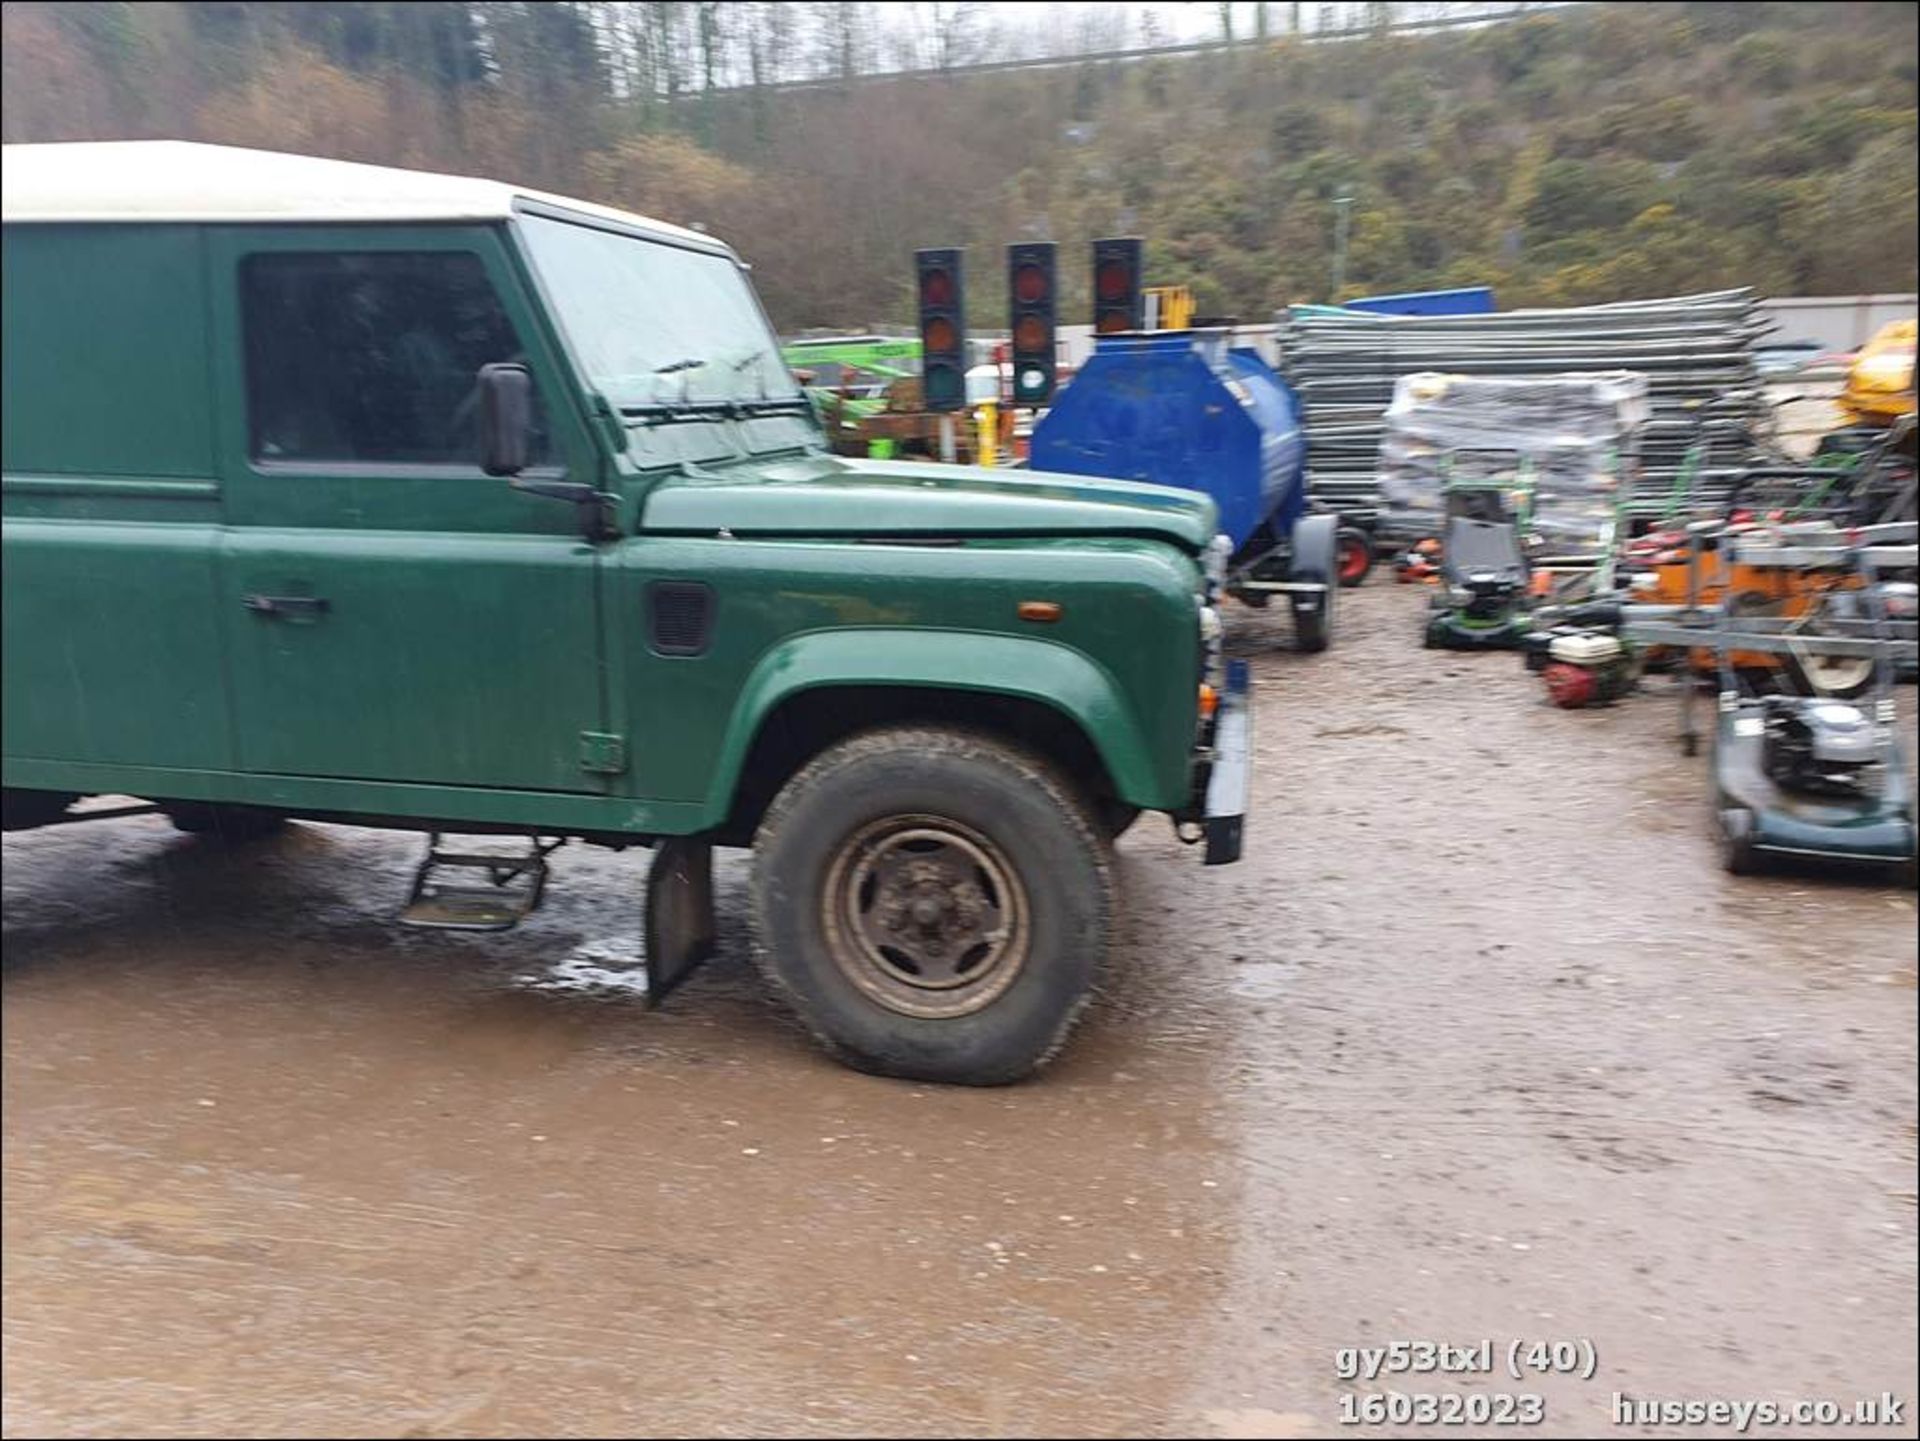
(1481,602)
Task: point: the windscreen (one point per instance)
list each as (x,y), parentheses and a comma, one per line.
(655,324)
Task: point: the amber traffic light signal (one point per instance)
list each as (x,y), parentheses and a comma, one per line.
(1117,301)
(943,329)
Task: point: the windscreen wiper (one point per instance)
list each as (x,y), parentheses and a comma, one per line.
(792,405)
(671,412)
(667,412)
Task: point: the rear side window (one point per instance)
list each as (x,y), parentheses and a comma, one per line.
(372,357)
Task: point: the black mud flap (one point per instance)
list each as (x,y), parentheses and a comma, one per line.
(679,915)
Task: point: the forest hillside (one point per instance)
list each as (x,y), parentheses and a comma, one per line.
(1584,153)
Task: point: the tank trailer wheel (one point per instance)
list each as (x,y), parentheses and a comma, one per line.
(1316,559)
(1356,556)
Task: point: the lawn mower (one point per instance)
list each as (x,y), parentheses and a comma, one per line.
(1797,770)
(1481,600)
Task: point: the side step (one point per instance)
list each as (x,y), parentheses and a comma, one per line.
(512,892)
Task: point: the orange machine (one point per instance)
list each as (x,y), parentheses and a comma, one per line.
(1661,560)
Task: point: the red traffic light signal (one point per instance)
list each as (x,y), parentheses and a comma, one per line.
(1030,289)
(1117,297)
(943,334)
(936,286)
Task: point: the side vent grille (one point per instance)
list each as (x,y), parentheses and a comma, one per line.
(681,619)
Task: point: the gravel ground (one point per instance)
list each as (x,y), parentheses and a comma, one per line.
(1477,1043)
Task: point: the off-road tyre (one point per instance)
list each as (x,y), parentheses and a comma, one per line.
(905,822)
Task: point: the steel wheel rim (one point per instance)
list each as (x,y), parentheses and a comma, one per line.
(926,916)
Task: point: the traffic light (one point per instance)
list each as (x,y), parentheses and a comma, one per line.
(1116,286)
(1031,318)
(943,329)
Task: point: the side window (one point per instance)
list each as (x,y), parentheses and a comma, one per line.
(372,356)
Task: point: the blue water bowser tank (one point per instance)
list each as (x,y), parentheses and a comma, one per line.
(1184,408)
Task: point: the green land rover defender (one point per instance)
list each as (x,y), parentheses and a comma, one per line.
(347,493)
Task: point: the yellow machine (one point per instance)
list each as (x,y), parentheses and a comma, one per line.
(1879,386)
(1168,307)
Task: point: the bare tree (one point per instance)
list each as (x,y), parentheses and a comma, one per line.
(757,23)
(844,37)
(955,33)
(712,42)
(665,58)
(1101,28)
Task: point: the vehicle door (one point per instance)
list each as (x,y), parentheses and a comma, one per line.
(395,614)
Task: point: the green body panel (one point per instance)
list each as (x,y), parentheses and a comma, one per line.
(1122,661)
(112,644)
(446,658)
(1051,674)
(478,659)
(550,811)
(67,497)
(105,362)
(833,495)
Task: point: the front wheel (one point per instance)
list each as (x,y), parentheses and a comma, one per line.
(934,904)
(1738,854)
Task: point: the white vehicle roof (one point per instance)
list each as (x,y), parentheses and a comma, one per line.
(150,181)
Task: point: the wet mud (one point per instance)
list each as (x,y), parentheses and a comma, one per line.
(1478,1041)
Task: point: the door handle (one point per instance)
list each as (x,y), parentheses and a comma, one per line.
(301,606)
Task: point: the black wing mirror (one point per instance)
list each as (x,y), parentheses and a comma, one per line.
(506,418)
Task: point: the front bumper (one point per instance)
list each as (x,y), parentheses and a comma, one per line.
(1230,778)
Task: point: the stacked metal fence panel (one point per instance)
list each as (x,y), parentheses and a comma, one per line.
(1692,348)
